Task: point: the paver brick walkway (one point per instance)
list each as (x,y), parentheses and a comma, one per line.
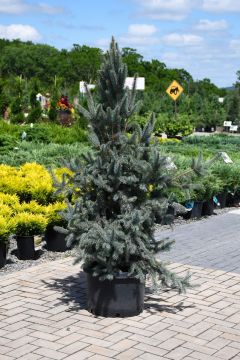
(213,242)
(43,317)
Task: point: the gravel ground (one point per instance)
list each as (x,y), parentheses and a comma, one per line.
(42,255)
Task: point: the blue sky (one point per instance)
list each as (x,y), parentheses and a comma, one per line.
(202,36)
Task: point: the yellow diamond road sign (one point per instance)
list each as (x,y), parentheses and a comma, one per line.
(174,90)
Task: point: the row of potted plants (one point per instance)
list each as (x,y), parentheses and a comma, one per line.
(28,207)
(26,219)
(218,188)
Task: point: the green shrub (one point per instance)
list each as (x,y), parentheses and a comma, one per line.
(207,187)
(16,106)
(17,119)
(44,154)
(10,129)
(229,174)
(174,125)
(52,114)
(38,133)
(35,115)
(67,135)
(4,102)
(140,119)
(7,142)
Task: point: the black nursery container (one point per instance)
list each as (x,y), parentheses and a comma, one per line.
(222,198)
(196,211)
(26,249)
(55,241)
(3,255)
(208,208)
(121,297)
(233,199)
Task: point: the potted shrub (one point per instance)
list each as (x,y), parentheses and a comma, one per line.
(229,174)
(113,220)
(209,187)
(5,231)
(55,240)
(184,195)
(25,226)
(7,203)
(194,202)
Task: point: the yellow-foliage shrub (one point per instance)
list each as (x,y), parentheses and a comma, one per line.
(30,182)
(28,224)
(5,229)
(60,172)
(31,207)
(27,201)
(52,213)
(6,211)
(8,199)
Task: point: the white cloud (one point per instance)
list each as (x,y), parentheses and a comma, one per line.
(208,25)
(103,43)
(176,10)
(139,41)
(13,7)
(221,5)
(18,7)
(176,39)
(218,62)
(47,9)
(139,35)
(165,9)
(235,46)
(141,30)
(19,31)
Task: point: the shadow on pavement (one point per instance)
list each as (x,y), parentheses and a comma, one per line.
(72,291)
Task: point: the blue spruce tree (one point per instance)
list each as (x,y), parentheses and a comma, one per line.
(121,189)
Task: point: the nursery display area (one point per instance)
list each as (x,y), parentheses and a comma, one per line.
(29,205)
(102,188)
(119,180)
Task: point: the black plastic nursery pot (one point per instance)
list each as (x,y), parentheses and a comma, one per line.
(196,211)
(121,297)
(200,129)
(222,198)
(55,241)
(3,255)
(210,128)
(208,208)
(26,248)
(232,200)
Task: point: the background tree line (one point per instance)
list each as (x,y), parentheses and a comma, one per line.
(26,68)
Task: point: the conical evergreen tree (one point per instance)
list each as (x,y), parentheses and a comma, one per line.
(121,189)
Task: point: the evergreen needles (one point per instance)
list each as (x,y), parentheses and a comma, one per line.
(121,189)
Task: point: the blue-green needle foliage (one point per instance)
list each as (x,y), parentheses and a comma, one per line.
(121,189)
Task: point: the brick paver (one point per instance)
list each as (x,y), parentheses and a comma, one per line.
(212,242)
(54,324)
